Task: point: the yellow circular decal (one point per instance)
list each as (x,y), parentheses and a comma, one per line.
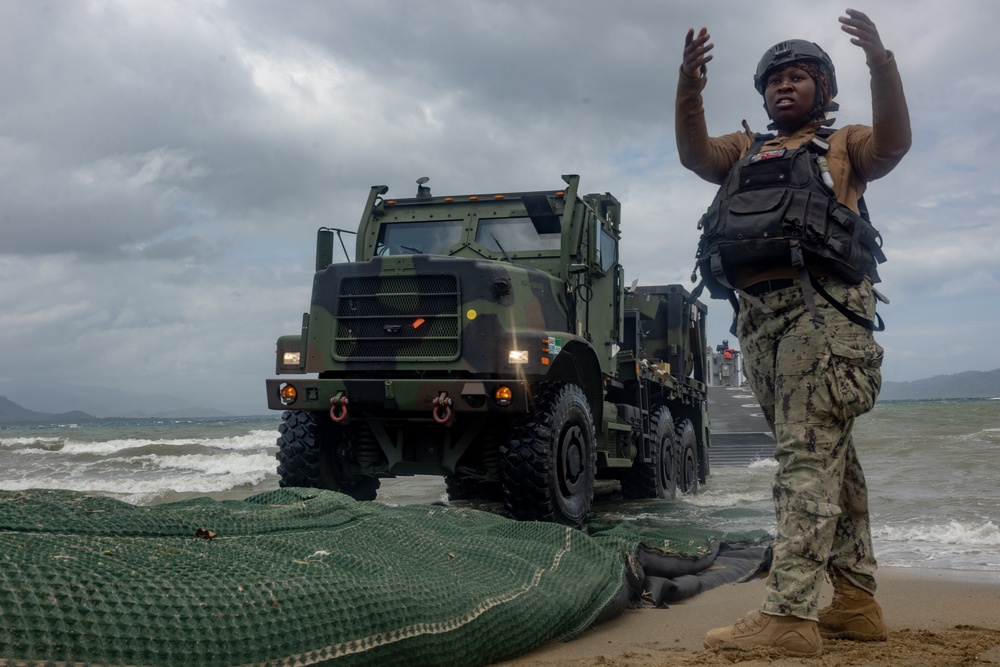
(471,314)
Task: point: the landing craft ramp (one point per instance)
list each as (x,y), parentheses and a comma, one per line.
(740,434)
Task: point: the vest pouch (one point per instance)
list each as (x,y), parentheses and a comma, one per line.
(714,267)
(847,245)
(711,222)
(773,172)
(757,214)
(809,210)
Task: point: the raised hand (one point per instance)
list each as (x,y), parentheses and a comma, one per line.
(696,53)
(864,34)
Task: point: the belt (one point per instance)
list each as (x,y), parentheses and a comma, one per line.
(768,286)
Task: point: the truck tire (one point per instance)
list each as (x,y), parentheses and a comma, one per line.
(548,464)
(658,477)
(687,444)
(307,455)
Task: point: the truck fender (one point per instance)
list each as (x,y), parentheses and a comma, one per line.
(577,363)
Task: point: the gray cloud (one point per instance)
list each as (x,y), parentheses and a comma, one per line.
(166,164)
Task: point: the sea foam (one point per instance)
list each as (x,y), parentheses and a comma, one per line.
(953,532)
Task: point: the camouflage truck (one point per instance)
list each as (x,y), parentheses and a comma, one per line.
(490,339)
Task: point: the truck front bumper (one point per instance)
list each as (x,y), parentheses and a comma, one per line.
(375,398)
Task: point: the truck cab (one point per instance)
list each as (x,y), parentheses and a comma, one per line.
(480,337)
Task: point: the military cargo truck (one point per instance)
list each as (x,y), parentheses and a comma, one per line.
(490,339)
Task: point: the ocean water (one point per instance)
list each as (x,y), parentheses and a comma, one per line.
(932,470)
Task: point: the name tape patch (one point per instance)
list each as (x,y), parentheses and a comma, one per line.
(767,155)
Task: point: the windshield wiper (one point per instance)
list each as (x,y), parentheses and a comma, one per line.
(493,236)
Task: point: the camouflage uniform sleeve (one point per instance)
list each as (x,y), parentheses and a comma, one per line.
(874,154)
(709,157)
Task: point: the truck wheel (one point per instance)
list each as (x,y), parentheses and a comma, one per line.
(658,478)
(688,447)
(308,447)
(548,464)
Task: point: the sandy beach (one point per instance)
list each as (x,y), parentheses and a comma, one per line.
(936,618)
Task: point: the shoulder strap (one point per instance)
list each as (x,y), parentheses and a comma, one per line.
(758,141)
(863,209)
(824,133)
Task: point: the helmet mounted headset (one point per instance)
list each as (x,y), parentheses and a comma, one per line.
(794,51)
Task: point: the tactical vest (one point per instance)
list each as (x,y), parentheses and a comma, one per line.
(774,209)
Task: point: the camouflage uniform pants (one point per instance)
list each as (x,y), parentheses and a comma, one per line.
(812,381)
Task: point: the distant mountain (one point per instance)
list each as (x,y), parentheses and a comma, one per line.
(12,413)
(101,401)
(970,384)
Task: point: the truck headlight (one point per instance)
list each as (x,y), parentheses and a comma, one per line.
(291,359)
(517,357)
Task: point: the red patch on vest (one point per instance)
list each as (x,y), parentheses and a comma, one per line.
(767,155)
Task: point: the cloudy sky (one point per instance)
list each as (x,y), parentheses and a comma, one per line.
(165,164)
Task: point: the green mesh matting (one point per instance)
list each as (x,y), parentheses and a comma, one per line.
(296,577)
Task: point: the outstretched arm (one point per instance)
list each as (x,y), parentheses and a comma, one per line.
(891,135)
(709,158)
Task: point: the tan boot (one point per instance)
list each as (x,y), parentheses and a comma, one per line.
(853,614)
(797,636)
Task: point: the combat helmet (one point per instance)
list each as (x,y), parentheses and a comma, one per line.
(793,51)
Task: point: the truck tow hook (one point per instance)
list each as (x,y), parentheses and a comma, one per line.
(442,408)
(338,402)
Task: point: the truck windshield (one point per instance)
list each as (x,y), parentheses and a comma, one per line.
(513,234)
(418,238)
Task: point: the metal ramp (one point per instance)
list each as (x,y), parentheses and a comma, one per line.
(740,434)
(740,449)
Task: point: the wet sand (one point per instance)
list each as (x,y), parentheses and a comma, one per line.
(936,618)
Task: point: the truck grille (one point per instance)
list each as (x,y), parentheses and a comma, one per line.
(398,317)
